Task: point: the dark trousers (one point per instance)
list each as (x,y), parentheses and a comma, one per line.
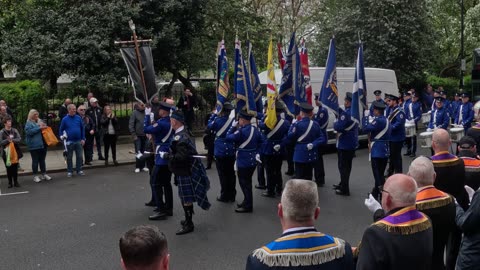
(12,172)
(319,168)
(110,141)
(226,175)
(290,149)
(245,180)
(453,247)
(303,170)
(261,171)
(88,147)
(38,158)
(98,138)
(273,168)
(378,169)
(161,185)
(395,165)
(140,147)
(411,143)
(345,158)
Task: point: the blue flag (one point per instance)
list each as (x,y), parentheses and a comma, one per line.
(290,80)
(243,87)
(329,92)
(359,93)
(255,80)
(223,85)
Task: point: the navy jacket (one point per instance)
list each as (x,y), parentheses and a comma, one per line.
(245,155)
(379,147)
(465,110)
(222,147)
(347,129)
(440,118)
(322,119)
(301,153)
(163,135)
(272,139)
(397,121)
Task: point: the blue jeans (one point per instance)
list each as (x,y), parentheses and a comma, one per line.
(140,147)
(38,158)
(78,149)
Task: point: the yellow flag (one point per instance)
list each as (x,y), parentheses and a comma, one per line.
(271,118)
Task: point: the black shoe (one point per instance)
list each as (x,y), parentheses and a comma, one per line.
(101,158)
(158,216)
(413,155)
(319,184)
(289,173)
(88,163)
(260,187)
(220,199)
(268,194)
(10,185)
(186,228)
(342,192)
(150,203)
(407,154)
(208,167)
(168,212)
(243,210)
(16,184)
(337,186)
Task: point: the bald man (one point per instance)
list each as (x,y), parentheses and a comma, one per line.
(403,239)
(62,111)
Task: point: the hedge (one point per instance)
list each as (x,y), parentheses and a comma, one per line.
(22,96)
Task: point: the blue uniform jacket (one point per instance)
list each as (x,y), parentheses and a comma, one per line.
(379,147)
(440,118)
(455,105)
(416,112)
(301,153)
(467,115)
(159,130)
(371,106)
(397,121)
(277,138)
(222,148)
(322,119)
(405,104)
(348,130)
(245,155)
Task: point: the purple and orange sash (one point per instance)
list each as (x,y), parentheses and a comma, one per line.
(444,159)
(429,197)
(405,221)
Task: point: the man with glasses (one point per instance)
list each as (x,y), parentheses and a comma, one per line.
(90,127)
(403,239)
(72,130)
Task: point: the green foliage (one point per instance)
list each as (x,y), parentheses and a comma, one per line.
(449,84)
(209,93)
(22,96)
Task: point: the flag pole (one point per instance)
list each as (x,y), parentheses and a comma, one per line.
(139,58)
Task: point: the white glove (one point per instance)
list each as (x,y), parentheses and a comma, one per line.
(372,204)
(148,111)
(470,192)
(162,154)
(234,123)
(64,136)
(257,158)
(276,147)
(152,117)
(429,130)
(370,119)
(282,115)
(139,155)
(294,120)
(366,113)
(310,146)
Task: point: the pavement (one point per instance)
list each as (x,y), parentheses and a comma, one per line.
(55,161)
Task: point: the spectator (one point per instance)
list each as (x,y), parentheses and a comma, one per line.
(469,222)
(95,112)
(437,205)
(3,115)
(301,246)
(144,248)
(111,129)
(474,132)
(427,97)
(186,103)
(8,135)
(87,100)
(155,106)
(450,178)
(135,126)
(467,151)
(63,111)
(36,146)
(71,130)
(404,238)
(89,126)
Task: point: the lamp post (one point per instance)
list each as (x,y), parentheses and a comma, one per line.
(462,53)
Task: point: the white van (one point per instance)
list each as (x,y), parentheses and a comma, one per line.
(377,79)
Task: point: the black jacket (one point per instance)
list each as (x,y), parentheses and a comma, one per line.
(180,158)
(469,222)
(105,121)
(96,115)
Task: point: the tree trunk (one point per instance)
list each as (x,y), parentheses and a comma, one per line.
(186,82)
(1,70)
(53,83)
(168,93)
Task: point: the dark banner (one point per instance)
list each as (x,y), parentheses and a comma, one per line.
(130,58)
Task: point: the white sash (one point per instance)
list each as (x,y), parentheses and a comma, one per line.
(379,135)
(435,119)
(275,129)
(410,108)
(225,126)
(460,115)
(310,124)
(245,143)
(167,136)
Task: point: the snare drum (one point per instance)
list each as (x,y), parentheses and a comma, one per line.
(426,139)
(410,130)
(426,118)
(456,134)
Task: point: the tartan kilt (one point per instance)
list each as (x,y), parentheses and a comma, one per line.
(185,189)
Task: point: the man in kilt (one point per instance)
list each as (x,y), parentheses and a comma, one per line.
(190,175)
